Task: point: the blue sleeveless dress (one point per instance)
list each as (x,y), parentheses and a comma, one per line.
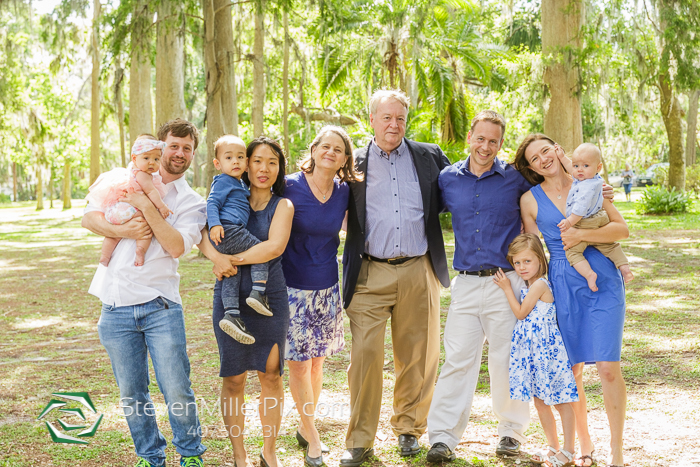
(236,358)
(591,323)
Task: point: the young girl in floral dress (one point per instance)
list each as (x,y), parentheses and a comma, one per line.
(539,365)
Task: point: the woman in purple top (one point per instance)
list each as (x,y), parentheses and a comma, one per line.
(320,195)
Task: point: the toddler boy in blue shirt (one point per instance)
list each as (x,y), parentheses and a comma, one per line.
(227,215)
(584,211)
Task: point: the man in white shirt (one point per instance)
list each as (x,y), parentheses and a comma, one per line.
(142,309)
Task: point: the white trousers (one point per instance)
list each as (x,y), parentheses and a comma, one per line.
(479,311)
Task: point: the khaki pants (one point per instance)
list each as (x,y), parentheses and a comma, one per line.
(613,251)
(409,294)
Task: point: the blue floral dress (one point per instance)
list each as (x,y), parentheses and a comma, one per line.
(539,365)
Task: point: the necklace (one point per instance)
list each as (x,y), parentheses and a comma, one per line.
(319,190)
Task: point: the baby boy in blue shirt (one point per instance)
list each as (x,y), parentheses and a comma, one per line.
(227,215)
(584,211)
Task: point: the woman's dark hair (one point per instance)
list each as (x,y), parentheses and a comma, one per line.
(278,186)
(522,165)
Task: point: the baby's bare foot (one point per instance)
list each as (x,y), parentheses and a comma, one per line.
(140,257)
(626,273)
(104,260)
(591,279)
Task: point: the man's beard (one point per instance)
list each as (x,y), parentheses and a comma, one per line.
(172,170)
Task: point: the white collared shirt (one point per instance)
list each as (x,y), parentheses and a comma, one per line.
(123,284)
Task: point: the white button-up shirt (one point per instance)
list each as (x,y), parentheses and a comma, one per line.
(123,284)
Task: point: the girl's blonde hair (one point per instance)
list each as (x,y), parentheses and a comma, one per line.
(347,172)
(528,241)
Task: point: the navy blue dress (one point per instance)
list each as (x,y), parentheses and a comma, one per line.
(591,323)
(237,358)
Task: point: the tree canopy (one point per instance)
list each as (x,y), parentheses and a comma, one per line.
(286,67)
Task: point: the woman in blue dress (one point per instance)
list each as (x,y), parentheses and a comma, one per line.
(591,323)
(270,221)
(320,195)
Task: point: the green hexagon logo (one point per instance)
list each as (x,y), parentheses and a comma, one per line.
(60,405)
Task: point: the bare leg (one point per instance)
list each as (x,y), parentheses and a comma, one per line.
(626,273)
(549,425)
(232,400)
(584,438)
(141,248)
(615,397)
(271,405)
(584,268)
(568,424)
(305,380)
(109,244)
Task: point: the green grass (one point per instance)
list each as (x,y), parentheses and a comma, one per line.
(48,341)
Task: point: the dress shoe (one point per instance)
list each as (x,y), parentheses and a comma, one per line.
(303,443)
(353,457)
(508,446)
(440,452)
(408,444)
(312,461)
(263,462)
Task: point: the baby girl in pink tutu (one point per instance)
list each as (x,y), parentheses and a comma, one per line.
(141,176)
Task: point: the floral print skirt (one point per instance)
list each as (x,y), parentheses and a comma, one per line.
(315,323)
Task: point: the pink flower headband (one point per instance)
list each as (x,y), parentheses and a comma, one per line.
(145,145)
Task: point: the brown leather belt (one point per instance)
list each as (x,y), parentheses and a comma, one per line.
(399,260)
(484,272)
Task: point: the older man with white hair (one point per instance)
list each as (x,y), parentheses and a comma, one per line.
(393,264)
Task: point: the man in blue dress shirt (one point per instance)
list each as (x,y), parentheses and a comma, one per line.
(483,194)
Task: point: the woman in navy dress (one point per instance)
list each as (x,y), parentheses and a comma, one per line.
(270,221)
(320,195)
(591,323)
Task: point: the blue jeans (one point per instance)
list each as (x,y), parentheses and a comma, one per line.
(130,333)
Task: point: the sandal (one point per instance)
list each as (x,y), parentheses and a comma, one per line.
(554,461)
(585,457)
(542,456)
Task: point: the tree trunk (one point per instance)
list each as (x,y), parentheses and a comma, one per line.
(562,21)
(140,105)
(118,82)
(691,137)
(285,82)
(214,85)
(50,190)
(225,60)
(329,115)
(39,188)
(66,186)
(14,182)
(671,114)
(95,109)
(170,60)
(259,70)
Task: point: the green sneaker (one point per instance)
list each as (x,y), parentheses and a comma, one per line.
(144,463)
(194,461)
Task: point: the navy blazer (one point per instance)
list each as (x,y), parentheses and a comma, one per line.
(429,160)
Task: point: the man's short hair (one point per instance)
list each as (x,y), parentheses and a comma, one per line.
(394,94)
(180,128)
(489,116)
